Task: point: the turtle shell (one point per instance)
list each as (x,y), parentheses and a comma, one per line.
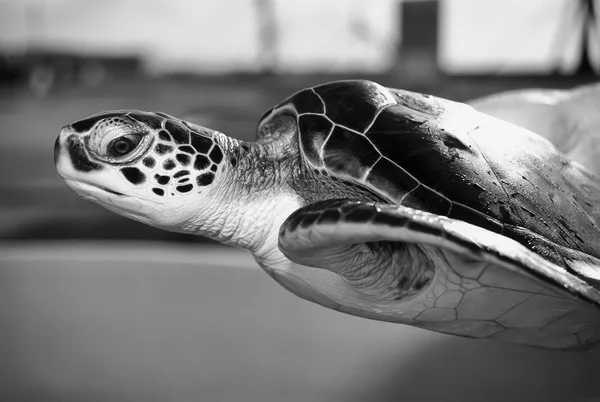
(465,165)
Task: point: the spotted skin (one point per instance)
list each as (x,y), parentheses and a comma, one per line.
(162,149)
(183,159)
(201,162)
(162,179)
(134,175)
(168,162)
(149,162)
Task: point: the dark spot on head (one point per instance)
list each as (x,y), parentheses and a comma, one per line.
(79,159)
(163,135)
(169,164)
(149,162)
(201,144)
(178,131)
(181,173)
(201,162)
(183,159)
(134,175)
(214,168)
(162,149)
(185,188)
(216,154)
(184,180)
(158,191)
(205,179)
(162,179)
(233,161)
(187,149)
(245,147)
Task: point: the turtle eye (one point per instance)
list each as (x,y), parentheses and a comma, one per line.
(123,145)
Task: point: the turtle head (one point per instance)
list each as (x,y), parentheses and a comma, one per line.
(150,167)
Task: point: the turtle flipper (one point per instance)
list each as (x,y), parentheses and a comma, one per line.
(441,274)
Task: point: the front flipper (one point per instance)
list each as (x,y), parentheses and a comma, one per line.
(403,265)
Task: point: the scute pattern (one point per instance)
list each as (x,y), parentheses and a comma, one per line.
(404,147)
(424,198)
(308,101)
(390,179)
(343,103)
(201,143)
(320,127)
(178,131)
(340,157)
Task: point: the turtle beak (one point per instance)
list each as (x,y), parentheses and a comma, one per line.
(59,146)
(81,173)
(69,155)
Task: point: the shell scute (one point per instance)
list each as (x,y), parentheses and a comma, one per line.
(423,198)
(339,153)
(308,101)
(353,104)
(390,179)
(314,130)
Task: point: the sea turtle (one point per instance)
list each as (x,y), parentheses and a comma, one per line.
(377,202)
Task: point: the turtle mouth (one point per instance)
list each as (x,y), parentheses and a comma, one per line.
(92,188)
(109,191)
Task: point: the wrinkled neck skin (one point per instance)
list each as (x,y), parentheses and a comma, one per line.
(251,199)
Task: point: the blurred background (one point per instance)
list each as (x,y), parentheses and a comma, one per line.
(94,307)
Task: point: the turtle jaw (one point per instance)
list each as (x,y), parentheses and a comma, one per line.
(146,211)
(84,189)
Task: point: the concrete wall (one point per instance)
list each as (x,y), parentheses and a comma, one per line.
(210,36)
(500,36)
(492,36)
